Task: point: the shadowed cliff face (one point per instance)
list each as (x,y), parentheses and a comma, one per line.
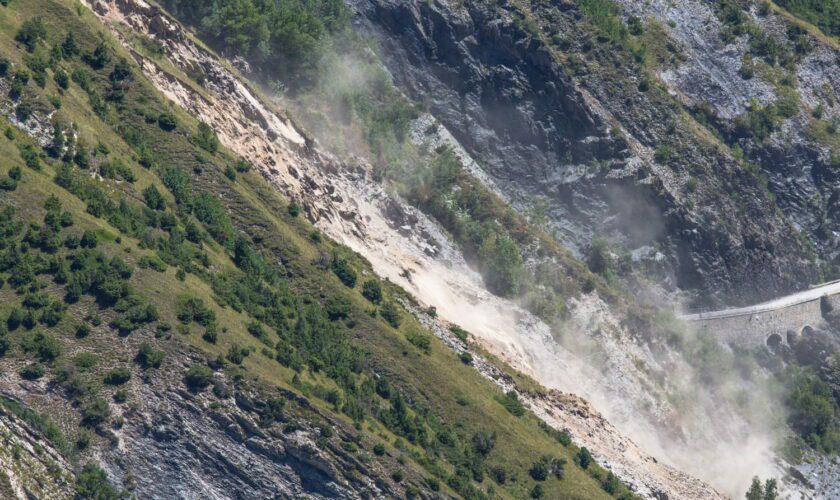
(501,92)
(800,165)
(572,126)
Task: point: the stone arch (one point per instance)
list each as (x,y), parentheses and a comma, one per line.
(806,331)
(774,341)
(793,337)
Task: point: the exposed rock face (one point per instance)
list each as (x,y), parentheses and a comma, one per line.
(175,444)
(582,135)
(30,467)
(802,173)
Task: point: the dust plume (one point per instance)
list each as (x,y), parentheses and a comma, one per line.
(691,403)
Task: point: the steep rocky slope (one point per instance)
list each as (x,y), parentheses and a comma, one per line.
(165,315)
(623,375)
(403,245)
(30,467)
(799,162)
(535,104)
(550,109)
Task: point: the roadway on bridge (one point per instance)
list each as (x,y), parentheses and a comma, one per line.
(779,303)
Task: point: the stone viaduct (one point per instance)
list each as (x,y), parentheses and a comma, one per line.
(780,321)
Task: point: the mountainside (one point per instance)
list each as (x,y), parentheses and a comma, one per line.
(643,136)
(174,328)
(419,249)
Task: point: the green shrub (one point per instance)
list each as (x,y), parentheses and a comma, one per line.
(118,376)
(8,184)
(372,290)
(391,313)
(663,154)
(611,484)
(85,360)
(120,396)
(242,166)
(209,210)
(100,57)
(561,437)
(193,309)
(236,354)
(198,377)
(82,331)
(758,122)
(337,307)
(294,209)
(812,410)
(42,345)
(600,257)
(94,412)
(38,421)
(787,103)
(499,474)
(257,330)
(62,79)
(501,264)
(539,471)
(344,271)
(291,37)
(206,138)
(512,404)
(823,13)
(52,315)
(420,340)
(483,442)
(459,333)
(92,484)
(149,357)
(211,334)
(152,262)
(32,371)
(584,458)
(30,156)
(31,32)
(89,239)
(83,441)
(115,168)
(167,121)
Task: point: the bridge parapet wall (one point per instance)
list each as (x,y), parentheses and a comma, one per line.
(751,329)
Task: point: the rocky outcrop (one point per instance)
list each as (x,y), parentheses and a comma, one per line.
(30,465)
(170,442)
(802,170)
(180,444)
(573,127)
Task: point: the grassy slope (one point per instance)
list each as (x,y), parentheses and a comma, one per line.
(437,380)
(819,22)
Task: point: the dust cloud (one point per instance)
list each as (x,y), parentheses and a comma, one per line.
(722,429)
